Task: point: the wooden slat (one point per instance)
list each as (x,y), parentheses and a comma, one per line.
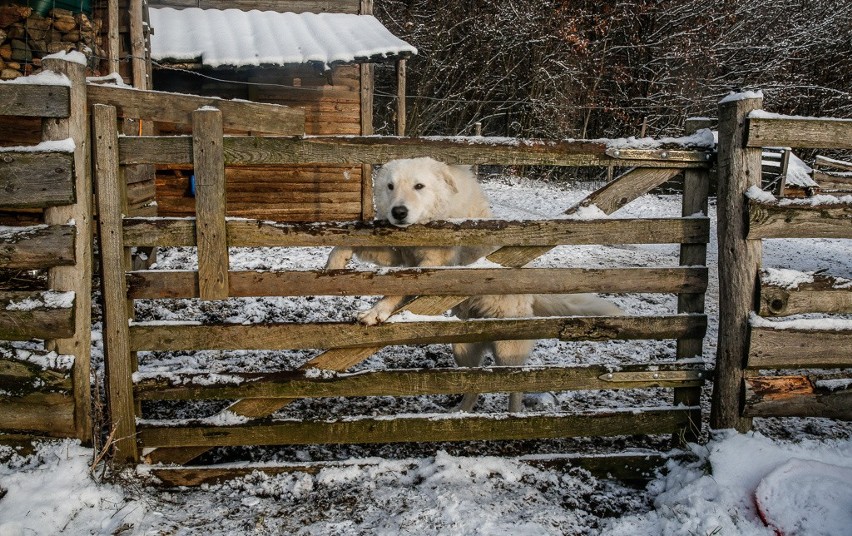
(626,188)
(795,396)
(30,180)
(178,108)
(41,246)
(771,220)
(824,161)
(46,413)
(119,362)
(173,337)
(831,181)
(40,321)
(795,348)
(823,295)
(210,230)
(545,233)
(423,281)
(420,429)
(419,382)
(812,133)
(295,6)
(248,151)
(34,100)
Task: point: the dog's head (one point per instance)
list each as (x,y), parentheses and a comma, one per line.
(415,190)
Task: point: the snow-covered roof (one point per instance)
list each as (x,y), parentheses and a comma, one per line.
(235,38)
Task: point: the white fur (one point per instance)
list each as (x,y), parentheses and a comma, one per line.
(421,190)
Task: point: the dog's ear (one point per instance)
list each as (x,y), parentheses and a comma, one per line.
(446,174)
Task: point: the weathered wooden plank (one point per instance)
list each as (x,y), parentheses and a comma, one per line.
(39,246)
(739,259)
(624,189)
(771,220)
(424,281)
(31,315)
(34,100)
(295,6)
(832,181)
(178,108)
(282,336)
(420,429)
(119,362)
(826,162)
(47,413)
(418,382)
(545,233)
(824,295)
(798,132)
(796,348)
(248,151)
(210,230)
(795,396)
(41,180)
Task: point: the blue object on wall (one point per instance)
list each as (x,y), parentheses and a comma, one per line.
(192,185)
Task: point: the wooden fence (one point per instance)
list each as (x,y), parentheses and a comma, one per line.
(752,349)
(344,345)
(42,392)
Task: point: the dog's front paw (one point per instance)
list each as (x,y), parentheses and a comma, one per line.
(373,316)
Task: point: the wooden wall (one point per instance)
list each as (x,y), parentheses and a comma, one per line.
(331,102)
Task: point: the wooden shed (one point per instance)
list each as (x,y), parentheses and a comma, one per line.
(315,56)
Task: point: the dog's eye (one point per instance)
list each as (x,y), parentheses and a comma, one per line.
(390,186)
(418,186)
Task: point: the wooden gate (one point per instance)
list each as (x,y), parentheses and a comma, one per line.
(343,345)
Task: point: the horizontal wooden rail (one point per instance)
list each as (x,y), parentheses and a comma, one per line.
(254,151)
(798,132)
(36,180)
(453,427)
(831,181)
(823,295)
(40,246)
(190,336)
(797,348)
(425,281)
(27,315)
(178,108)
(795,396)
(417,382)
(772,220)
(35,100)
(151,232)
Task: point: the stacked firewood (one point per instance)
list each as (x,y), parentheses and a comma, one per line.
(26,37)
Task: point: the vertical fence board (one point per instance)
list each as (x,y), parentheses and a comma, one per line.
(118,359)
(739,259)
(211,236)
(78,277)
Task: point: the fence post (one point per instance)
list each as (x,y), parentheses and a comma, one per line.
(739,259)
(78,277)
(118,359)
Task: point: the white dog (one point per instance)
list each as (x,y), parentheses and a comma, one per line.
(421,190)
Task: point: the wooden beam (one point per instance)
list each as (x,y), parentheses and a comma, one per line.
(772,348)
(250,151)
(280,336)
(113,47)
(419,382)
(795,396)
(833,181)
(739,260)
(796,132)
(36,180)
(626,188)
(824,161)
(38,321)
(419,429)
(543,233)
(118,359)
(178,108)
(400,96)
(824,295)
(149,284)
(772,220)
(137,46)
(40,246)
(32,100)
(211,236)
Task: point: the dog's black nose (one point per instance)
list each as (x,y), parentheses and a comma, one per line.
(399,213)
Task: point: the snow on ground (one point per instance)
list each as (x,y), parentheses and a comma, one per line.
(456,488)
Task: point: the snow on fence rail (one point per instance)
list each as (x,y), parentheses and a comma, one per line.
(750,344)
(49,180)
(347,344)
